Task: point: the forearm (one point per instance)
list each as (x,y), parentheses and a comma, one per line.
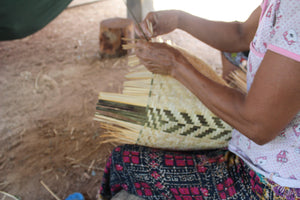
(252,114)
(225,36)
(227,103)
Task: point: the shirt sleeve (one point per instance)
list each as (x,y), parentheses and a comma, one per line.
(263,4)
(285,34)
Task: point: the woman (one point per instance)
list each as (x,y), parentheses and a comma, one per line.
(262,160)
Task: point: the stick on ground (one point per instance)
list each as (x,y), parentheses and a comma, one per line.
(48,189)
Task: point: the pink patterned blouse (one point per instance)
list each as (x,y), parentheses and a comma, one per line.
(278,31)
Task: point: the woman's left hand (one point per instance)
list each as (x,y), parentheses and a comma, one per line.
(159,58)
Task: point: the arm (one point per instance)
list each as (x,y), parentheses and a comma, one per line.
(225,36)
(271,103)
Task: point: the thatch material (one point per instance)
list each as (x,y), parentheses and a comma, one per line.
(238,79)
(158,111)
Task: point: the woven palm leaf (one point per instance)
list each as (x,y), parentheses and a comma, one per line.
(158,111)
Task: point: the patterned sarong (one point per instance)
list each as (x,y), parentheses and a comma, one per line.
(207,174)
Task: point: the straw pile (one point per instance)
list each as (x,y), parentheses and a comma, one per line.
(158,111)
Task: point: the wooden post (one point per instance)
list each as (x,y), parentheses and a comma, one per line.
(111,33)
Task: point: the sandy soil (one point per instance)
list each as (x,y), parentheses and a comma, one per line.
(49,84)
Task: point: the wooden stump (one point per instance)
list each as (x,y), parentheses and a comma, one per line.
(111,33)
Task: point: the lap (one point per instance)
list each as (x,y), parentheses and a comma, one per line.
(160,174)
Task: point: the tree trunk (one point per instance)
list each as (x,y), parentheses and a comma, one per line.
(111,33)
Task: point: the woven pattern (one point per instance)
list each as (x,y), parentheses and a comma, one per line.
(158,111)
(177,119)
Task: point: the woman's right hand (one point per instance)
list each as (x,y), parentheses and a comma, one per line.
(162,22)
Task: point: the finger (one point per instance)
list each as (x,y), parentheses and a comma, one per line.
(142,46)
(142,32)
(143,50)
(141,43)
(145,29)
(149,26)
(154,24)
(144,58)
(156,68)
(138,32)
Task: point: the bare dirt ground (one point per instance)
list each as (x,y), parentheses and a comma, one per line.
(49,84)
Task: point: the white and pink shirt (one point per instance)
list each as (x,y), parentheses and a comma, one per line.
(278,31)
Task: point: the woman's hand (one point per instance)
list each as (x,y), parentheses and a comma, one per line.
(162,22)
(159,58)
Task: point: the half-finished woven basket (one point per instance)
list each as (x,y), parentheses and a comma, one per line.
(158,111)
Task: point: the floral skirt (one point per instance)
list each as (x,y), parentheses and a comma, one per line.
(207,174)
